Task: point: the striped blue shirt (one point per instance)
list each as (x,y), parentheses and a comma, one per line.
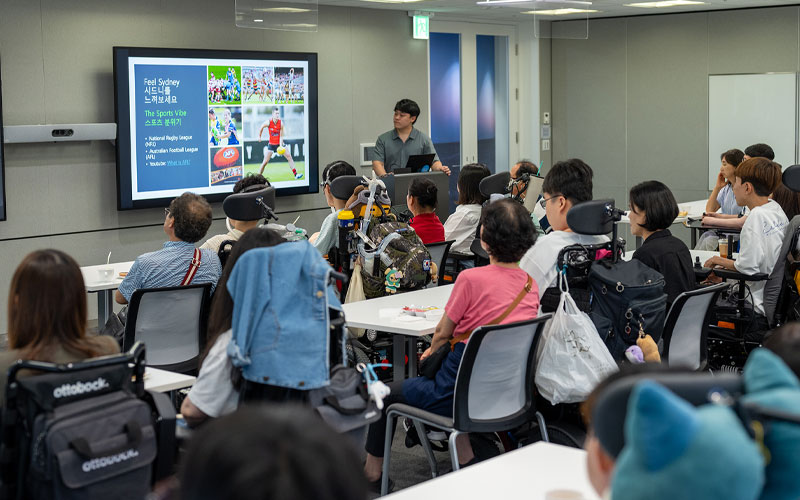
(168,266)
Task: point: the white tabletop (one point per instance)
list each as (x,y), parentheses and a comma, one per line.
(703,254)
(693,209)
(93,281)
(367,313)
(528,473)
(164,381)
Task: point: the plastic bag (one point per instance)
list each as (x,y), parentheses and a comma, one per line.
(573,359)
(355,293)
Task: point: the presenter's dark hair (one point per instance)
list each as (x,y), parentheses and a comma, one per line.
(571,179)
(468,181)
(192,215)
(785,342)
(763,174)
(221,310)
(271,452)
(424,191)
(407,106)
(47,307)
(526,167)
(732,157)
(657,202)
(251,179)
(507,229)
(760,150)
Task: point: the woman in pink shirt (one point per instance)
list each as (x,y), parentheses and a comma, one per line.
(480,295)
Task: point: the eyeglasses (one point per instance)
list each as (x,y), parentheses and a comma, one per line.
(543,202)
(167,213)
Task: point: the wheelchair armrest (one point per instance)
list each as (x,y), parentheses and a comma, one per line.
(701,273)
(736,275)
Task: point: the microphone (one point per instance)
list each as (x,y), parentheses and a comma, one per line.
(268,213)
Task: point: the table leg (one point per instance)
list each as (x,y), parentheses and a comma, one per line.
(411,342)
(398,357)
(104,307)
(694,238)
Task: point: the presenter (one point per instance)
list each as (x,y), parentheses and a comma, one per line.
(393,148)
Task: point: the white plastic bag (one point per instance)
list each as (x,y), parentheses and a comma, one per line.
(573,359)
(355,293)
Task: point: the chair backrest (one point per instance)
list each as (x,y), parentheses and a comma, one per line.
(773,289)
(171,321)
(611,406)
(439,253)
(494,385)
(686,327)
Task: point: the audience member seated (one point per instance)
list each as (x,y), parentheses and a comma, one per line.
(788,200)
(762,234)
(759,150)
(653,208)
(328,235)
(785,342)
(237,227)
(674,450)
(565,185)
(187,221)
(421,201)
(215,393)
(47,314)
(521,193)
(463,223)
(722,198)
(271,452)
(479,296)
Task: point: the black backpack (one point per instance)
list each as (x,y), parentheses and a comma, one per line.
(626,296)
(84,430)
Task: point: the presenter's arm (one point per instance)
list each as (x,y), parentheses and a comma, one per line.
(437,165)
(378,167)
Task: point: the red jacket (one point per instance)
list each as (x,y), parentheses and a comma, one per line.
(428,227)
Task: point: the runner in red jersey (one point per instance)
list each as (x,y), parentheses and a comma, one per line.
(275,127)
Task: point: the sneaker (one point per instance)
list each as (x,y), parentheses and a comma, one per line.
(298,176)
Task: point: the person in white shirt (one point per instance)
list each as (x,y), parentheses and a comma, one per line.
(763,231)
(565,185)
(462,224)
(236,228)
(328,235)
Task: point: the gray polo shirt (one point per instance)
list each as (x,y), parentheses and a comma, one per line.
(394,153)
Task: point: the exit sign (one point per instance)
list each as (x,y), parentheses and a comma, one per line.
(421,27)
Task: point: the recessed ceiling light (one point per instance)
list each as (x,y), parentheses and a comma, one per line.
(258,20)
(500,2)
(560,12)
(282,10)
(392,1)
(667,3)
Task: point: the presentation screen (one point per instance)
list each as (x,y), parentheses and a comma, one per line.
(200,120)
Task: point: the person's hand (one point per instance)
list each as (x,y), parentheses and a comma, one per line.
(425,354)
(710,214)
(444,169)
(713,261)
(720,181)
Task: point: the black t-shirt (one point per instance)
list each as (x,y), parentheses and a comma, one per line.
(669,256)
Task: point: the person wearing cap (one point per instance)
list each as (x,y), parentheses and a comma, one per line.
(327,237)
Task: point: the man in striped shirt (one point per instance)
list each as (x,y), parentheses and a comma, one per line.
(187,221)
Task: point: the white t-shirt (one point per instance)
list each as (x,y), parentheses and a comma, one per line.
(213,392)
(461,227)
(760,243)
(214,242)
(540,261)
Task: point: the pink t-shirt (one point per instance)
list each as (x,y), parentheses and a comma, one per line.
(482,294)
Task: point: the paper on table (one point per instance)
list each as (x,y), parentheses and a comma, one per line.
(389,312)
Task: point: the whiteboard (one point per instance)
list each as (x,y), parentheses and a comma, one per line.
(748,109)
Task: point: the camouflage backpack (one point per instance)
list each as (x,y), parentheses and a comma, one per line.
(399,248)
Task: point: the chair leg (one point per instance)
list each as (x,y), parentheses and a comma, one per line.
(542,427)
(387,453)
(454,450)
(426,445)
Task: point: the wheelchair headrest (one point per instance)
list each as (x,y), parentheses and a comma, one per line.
(593,217)
(791,177)
(611,407)
(245,205)
(534,187)
(494,184)
(343,186)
